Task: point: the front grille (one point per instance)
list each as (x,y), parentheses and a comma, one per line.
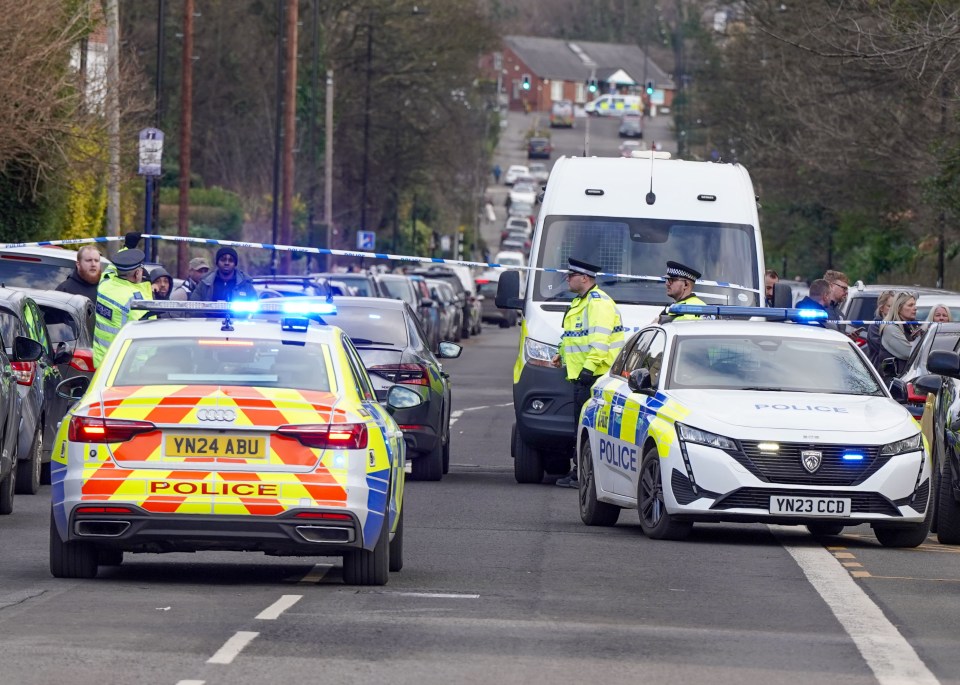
(785,466)
(759,498)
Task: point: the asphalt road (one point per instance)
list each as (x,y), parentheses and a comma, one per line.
(501,583)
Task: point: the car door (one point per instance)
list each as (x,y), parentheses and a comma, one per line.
(48,374)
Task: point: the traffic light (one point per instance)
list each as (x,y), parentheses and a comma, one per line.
(526,82)
(649,87)
(592,85)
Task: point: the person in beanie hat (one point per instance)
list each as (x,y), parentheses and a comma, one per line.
(199,267)
(226,282)
(592,339)
(161,282)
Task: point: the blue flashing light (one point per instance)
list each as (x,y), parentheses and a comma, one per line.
(309,308)
(811,314)
(852,456)
(245,306)
(738,312)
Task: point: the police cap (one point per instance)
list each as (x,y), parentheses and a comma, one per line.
(128,260)
(678,270)
(578,266)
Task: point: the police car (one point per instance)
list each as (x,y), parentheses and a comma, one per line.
(229,433)
(752,421)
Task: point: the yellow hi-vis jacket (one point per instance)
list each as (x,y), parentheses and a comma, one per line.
(689,299)
(113,310)
(592,334)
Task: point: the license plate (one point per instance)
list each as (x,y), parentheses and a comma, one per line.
(810,506)
(227,446)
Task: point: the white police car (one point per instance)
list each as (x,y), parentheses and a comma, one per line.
(751,421)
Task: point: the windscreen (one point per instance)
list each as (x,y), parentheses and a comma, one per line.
(399,289)
(361,286)
(215,361)
(773,364)
(721,252)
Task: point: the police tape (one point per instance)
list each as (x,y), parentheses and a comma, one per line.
(355,253)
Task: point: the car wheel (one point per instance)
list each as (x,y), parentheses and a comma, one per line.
(948,519)
(905,536)
(7,488)
(396,546)
(369,567)
(428,466)
(29,470)
(527,462)
(592,511)
(71,559)
(446,456)
(825,529)
(655,522)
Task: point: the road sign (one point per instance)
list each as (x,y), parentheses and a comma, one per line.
(151,151)
(366,240)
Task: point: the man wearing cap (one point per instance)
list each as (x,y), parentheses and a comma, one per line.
(199,267)
(118,287)
(592,338)
(680,280)
(226,283)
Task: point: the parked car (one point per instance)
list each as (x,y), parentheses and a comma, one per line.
(70,321)
(539,172)
(428,310)
(514,172)
(517,223)
(539,148)
(487,286)
(394,350)
(523,209)
(294,286)
(43,268)
(24,351)
(628,147)
(360,284)
(41,407)
(861,303)
(451,314)
(522,192)
(508,258)
(401,287)
(561,114)
(461,280)
(944,336)
(631,126)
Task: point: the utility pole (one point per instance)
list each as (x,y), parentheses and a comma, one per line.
(328,173)
(289,131)
(186,132)
(312,135)
(154,208)
(277,140)
(366,123)
(113,117)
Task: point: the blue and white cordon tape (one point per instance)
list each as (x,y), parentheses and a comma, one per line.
(351,253)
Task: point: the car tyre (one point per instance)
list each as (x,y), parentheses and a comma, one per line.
(446,456)
(592,511)
(29,470)
(948,519)
(655,522)
(527,462)
(71,559)
(7,489)
(396,546)
(428,466)
(905,536)
(823,529)
(369,567)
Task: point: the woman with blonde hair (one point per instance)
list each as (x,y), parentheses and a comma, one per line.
(939,313)
(897,338)
(875,351)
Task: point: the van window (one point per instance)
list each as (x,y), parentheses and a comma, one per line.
(722,252)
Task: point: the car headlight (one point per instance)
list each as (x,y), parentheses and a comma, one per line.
(702,437)
(911,444)
(537,353)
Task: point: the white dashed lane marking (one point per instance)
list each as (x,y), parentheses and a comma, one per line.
(232,647)
(272,612)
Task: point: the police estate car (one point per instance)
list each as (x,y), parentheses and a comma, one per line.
(229,434)
(751,421)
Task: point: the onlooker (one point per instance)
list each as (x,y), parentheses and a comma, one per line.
(770,279)
(496,173)
(939,313)
(86,277)
(227,283)
(117,288)
(199,267)
(161,282)
(817,298)
(839,285)
(875,350)
(897,338)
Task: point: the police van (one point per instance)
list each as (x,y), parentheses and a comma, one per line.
(628,215)
(615,105)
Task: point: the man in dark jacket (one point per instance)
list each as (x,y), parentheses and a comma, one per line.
(818,297)
(226,282)
(86,277)
(161,282)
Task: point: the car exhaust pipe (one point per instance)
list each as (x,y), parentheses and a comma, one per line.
(101,529)
(325,534)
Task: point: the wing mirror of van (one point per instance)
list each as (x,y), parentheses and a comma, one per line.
(782,295)
(508,291)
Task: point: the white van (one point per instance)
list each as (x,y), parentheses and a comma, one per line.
(614,105)
(598,209)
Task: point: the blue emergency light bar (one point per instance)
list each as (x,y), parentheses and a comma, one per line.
(736,312)
(277,306)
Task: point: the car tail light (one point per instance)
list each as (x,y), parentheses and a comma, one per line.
(24,372)
(328,436)
(103,510)
(83,360)
(409,374)
(914,396)
(327,515)
(410,426)
(98,429)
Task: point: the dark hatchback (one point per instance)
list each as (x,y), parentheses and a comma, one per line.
(943,336)
(539,148)
(360,284)
(395,351)
(41,409)
(70,321)
(11,474)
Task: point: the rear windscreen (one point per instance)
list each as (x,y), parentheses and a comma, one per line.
(16,272)
(367,326)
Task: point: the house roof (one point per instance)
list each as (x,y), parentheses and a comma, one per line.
(553,58)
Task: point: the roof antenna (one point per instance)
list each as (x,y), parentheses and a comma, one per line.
(651,196)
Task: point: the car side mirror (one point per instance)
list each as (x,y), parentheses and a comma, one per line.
(63,355)
(639,381)
(888,367)
(398,397)
(508,291)
(26,350)
(944,363)
(449,350)
(929,383)
(73,388)
(898,391)
(782,295)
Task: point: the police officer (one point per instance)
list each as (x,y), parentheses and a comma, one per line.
(592,338)
(117,288)
(680,280)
